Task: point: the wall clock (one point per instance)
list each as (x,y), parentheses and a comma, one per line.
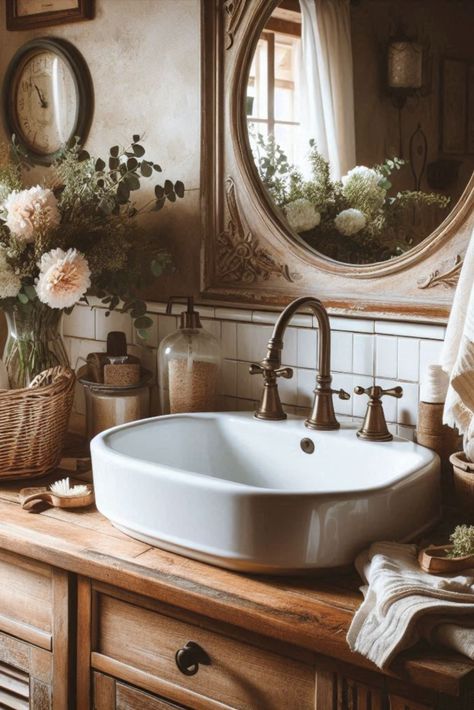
(47,97)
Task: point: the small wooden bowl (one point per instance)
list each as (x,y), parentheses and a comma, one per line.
(435,561)
(463,479)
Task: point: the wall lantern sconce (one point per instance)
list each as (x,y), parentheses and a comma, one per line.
(405,69)
(405,74)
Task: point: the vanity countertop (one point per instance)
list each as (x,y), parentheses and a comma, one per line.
(311,613)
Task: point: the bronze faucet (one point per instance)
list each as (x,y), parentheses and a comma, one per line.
(374,427)
(322,414)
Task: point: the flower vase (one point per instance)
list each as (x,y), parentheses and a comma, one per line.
(34,342)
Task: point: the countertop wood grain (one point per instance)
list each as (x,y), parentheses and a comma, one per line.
(311,613)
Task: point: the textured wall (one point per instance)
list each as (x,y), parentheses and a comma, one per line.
(144,57)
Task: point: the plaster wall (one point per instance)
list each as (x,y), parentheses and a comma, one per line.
(144,58)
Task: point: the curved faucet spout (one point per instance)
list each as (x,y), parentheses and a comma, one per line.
(322,415)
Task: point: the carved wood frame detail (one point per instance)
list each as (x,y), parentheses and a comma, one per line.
(249,255)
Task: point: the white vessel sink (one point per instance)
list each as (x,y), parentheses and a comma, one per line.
(241,493)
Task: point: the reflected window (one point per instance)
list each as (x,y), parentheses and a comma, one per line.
(274,82)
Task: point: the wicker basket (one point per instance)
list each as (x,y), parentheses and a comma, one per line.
(463,478)
(33,424)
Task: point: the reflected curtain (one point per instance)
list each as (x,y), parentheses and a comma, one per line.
(327,90)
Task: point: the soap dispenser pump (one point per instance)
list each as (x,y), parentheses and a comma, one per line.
(188,364)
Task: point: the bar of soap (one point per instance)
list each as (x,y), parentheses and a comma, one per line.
(95,366)
(122,374)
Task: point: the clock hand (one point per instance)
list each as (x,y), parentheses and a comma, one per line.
(44,103)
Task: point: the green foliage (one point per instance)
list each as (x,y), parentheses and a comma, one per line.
(389,228)
(98,218)
(462,540)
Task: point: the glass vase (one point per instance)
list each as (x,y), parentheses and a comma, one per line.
(34,342)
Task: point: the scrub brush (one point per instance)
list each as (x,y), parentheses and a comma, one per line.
(60,495)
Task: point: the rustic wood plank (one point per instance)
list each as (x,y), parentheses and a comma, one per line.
(83,653)
(61,639)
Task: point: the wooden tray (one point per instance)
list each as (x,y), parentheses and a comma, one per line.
(435,561)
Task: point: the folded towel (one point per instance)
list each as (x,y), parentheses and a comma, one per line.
(457,357)
(403,604)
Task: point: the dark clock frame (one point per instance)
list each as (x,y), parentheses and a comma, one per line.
(82,83)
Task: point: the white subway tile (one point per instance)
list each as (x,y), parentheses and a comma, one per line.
(252,341)
(410,330)
(408,405)
(116,320)
(213,327)
(306,382)
(265,317)
(406,432)
(352,325)
(345,382)
(288,389)
(290,347)
(248,386)
(246,405)
(430,351)
(363,356)
(229,339)
(80,323)
(341,352)
(147,357)
(166,325)
(389,404)
(228,385)
(307,344)
(239,314)
(408,359)
(385,356)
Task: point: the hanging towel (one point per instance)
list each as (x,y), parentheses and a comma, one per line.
(403,604)
(457,356)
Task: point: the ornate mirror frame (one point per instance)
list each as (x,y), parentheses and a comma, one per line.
(249,256)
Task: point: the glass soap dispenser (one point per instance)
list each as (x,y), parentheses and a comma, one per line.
(188,365)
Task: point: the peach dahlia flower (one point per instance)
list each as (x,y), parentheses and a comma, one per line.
(63,279)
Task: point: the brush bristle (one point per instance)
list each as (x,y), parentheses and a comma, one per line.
(64,489)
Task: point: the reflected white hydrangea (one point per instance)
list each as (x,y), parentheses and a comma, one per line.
(362,188)
(349,222)
(302,215)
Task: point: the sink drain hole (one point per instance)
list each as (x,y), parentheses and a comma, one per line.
(307,446)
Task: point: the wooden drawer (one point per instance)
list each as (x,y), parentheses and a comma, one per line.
(139,645)
(26,599)
(111,694)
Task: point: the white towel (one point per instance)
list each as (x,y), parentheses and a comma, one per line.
(457,357)
(403,604)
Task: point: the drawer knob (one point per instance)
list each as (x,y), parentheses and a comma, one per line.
(190,656)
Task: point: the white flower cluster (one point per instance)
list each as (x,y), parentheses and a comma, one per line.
(28,210)
(63,279)
(349,222)
(302,215)
(362,187)
(10,283)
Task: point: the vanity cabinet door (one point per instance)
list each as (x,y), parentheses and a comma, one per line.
(26,676)
(111,694)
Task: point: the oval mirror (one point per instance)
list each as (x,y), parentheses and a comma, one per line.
(361,120)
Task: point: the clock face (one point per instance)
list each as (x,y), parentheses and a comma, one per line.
(48,97)
(45,102)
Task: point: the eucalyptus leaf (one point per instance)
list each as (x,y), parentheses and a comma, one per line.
(23,298)
(99,165)
(83,155)
(179,188)
(139,309)
(157,168)
(133,182)
(123,193)
(132,164)
(135,137)
(146,170)
(114,163)
(30,292)
(159,204)
(168,186)
(115,151)
(143,334)
(171,196)
(159,191)
(138,149)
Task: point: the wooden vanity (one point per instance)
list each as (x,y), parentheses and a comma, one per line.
(90,618)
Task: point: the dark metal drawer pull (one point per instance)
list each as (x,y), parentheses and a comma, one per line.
(190,656)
